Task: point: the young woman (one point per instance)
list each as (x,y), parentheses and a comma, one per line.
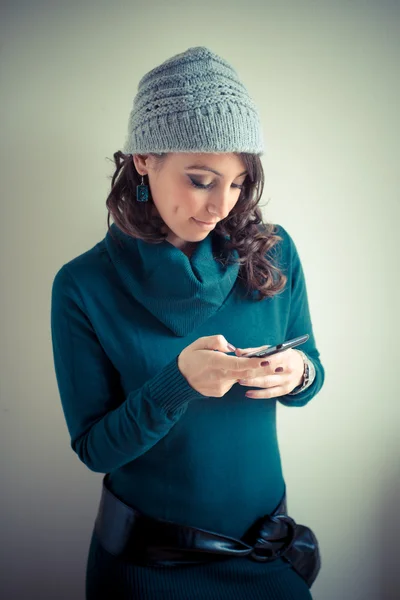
(146,327)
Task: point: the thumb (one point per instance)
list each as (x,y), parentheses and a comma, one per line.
(240,351)
(213,342)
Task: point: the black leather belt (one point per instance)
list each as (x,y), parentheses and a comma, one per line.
(135,537)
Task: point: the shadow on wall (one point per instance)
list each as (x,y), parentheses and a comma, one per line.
(388,540)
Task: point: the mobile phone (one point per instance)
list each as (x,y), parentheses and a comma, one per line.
(278,348)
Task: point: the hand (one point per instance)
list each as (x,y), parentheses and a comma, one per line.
(275,383)
(208,369)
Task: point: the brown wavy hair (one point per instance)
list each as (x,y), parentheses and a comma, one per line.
(249,235)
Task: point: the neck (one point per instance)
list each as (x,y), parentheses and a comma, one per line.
(189,248)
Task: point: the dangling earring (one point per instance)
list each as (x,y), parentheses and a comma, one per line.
(142,192)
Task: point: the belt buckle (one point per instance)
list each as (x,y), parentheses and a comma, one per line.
(291,524)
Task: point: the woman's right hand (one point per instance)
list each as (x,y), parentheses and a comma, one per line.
(213,373)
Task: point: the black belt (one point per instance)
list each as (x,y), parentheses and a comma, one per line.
(135,537)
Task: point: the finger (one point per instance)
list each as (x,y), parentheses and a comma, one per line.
(266,381)
(271,392)
(235,364)
(242,367)
(240,351)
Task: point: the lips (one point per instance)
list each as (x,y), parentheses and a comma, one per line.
(206,222)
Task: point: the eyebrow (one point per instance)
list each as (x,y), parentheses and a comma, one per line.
(205,168)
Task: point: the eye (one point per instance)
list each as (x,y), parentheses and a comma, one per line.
(197,184)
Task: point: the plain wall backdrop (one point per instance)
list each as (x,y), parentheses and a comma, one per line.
(325,76)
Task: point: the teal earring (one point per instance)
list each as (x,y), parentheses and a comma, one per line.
(142,192)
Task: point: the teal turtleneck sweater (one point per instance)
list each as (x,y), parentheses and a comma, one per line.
(121,313)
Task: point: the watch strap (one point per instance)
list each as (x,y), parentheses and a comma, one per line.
(308,374)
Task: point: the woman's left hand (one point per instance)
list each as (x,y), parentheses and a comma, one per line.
(280,377)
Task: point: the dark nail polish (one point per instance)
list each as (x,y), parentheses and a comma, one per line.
(278,369)
(265,363)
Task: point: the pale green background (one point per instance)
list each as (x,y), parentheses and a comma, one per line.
(325,76)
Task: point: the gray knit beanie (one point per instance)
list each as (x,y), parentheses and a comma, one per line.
(193,102)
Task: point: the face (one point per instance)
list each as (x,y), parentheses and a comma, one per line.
(180,198)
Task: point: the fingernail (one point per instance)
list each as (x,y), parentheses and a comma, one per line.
(232,348)
(278,369)
(265,363)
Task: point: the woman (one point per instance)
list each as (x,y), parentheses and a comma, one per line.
(155,395)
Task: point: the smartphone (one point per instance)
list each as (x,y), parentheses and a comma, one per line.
(278,348)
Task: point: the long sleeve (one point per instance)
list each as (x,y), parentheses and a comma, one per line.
(311,377)
(300,323)
(107,430)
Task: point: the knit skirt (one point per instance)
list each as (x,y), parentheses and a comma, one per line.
(110,578)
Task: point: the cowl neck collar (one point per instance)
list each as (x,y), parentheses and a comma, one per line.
(181,292)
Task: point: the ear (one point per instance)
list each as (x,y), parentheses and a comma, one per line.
(140,162)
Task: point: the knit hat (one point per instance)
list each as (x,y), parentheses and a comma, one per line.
(193,102)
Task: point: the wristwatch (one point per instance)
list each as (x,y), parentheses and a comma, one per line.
(308,374)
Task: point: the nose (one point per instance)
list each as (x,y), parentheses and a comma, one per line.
(222,203)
